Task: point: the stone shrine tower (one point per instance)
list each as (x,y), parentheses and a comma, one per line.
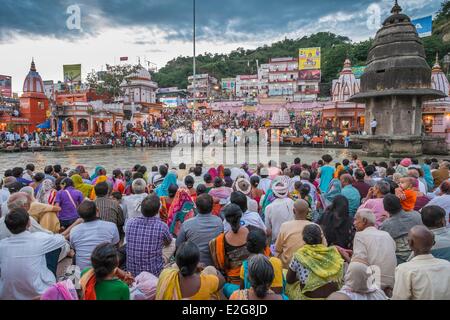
(396,82)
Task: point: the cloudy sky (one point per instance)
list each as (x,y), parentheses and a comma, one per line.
(159,30)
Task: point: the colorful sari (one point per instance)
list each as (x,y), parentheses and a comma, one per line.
(229,264)
(88,282)
(221,171)
(60,291)
(168,287)
(98,180)
(45,192)
(84,188)
(213,173)
(325,265)
(181,209)
(96,173)
(163,188)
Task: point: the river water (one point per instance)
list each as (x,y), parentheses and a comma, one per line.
(126,158)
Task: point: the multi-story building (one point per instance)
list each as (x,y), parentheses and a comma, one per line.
(172,97)
(283,77)
(204,86)
(247,86)
(263,78)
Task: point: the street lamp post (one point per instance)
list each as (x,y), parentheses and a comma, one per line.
(194,59)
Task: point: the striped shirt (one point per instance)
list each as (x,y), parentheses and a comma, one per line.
(110,210)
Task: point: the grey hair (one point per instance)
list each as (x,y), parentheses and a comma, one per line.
(384,187)
(305,175)
(19,200)
(382,172)
(368,215)
(139,186)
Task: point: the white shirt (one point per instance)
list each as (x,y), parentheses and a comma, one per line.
(377,248)
(249,218)
(35,227)
(277,213)
(132,205)
(24,273)
(264,184)
(85,237)
(422,278)
(373,124)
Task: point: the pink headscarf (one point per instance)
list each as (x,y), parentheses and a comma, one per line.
(213,173)
(406,162)
(64,290)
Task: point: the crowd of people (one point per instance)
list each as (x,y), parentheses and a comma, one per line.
(347,230)
(178,126)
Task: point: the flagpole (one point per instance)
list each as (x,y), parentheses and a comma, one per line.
(194,61)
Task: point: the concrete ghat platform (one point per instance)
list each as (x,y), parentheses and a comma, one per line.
(58,148)
(401,146)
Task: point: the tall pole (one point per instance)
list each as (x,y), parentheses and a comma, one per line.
(194,61)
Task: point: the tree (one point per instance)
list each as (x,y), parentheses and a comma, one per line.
(109,82)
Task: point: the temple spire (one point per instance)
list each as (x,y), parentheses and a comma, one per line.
(396,9)
(33,66)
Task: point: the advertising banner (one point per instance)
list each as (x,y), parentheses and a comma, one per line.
(424,26)
(72,73)
(309,75)
(309,59)
(5,86)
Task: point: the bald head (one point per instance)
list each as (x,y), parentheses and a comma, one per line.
(421,240)
(301,209)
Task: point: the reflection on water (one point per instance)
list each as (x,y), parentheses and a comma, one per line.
(126,158)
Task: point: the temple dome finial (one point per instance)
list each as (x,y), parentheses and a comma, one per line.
(33,65)
(396,9)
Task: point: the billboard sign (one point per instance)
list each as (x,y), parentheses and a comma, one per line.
(72,73)
(228,84)
(309,75)
(358,71)
(309,59)
(5,86)
(424,26)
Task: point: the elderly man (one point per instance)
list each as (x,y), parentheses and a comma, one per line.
(374,201)
(424,277)
(279,211)
(24,268)
(23,201)
(132,203)
(398,225)
(305,175)
(443,200)
(434,218)
(290,237)
(351,193)
(374,247)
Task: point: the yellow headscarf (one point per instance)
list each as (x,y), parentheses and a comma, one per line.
(100,179)
(78,183)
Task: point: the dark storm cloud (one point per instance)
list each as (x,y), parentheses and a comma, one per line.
(230,20)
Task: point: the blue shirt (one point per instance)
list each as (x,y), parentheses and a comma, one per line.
(353,197)
(326,175)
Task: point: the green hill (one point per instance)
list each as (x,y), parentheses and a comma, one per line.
(335,49)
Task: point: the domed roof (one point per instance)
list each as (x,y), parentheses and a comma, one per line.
(33,84)
(396,64)
(142,73)
(439,81)
(347,85)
